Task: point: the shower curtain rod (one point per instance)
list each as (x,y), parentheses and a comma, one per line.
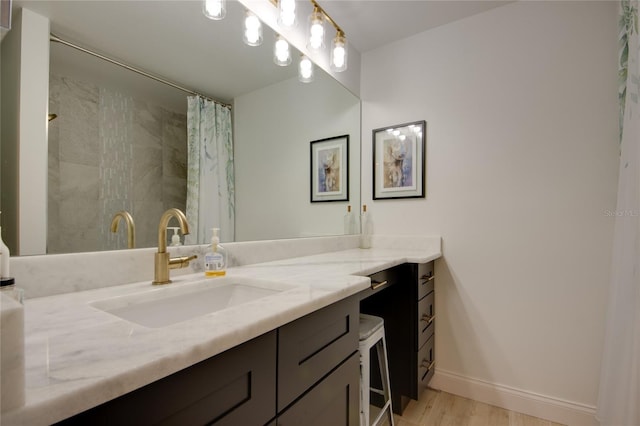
(54,38)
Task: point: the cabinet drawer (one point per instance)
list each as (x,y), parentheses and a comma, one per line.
(333,401)
(426,363)
(310,347)
(426,318)
(391,276)
(232,388)
(425,279)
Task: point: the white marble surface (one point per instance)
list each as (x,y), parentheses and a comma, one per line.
(48,275)
(78,356)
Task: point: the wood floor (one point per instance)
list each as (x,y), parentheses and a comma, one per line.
(437,408)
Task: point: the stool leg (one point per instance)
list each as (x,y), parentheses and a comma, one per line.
(365,370)
(381,348)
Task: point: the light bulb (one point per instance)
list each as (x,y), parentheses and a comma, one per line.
(316,30)
(252,34)
(214,9)
(287,13)
(305,70)
(281,55)
(339,53)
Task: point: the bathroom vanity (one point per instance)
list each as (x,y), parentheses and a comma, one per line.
(275,360)
(305,369)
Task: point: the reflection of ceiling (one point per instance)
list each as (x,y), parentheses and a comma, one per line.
(170,38)
(173,39)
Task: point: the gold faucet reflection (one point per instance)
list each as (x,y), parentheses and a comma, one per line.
(131,227)
(162,260)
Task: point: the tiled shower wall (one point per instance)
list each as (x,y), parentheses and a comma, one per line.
(110,152)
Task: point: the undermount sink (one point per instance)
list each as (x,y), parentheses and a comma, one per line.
(179,302)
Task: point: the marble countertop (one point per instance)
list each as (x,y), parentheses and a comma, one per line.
(78,356)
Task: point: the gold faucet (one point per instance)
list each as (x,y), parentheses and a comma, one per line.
(162,260)
(131,227)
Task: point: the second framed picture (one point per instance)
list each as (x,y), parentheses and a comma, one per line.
(399,161)
(330,169)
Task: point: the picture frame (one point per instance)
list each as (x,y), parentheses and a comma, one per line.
(399,166)
(329,165)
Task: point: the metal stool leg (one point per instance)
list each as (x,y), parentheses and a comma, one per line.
(376,339)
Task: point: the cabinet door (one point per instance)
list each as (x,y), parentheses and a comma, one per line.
(233,388)
(334,401)
(312,346)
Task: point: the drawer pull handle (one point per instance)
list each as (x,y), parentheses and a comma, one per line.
(376,285)
(427,318)
(426,364)
(427,278)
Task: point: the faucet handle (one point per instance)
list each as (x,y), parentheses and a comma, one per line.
(181,262)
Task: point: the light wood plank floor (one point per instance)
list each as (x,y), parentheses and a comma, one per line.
(436,408)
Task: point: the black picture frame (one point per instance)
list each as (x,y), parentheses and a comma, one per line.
(329,169)
(399,166)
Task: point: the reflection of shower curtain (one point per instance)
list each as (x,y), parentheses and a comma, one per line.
(210,176)
(619,396)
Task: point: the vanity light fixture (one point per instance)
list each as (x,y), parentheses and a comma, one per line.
(305,70)
(339,52)
(214,9)
(287,13)
(281,53)
(252,30)
(316,29)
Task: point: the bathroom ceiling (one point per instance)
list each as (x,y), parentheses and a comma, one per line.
(172,38)
(370,24)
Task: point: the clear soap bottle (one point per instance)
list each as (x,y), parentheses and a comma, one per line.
(4,258)
(349,222)
(367,228)
(215,261)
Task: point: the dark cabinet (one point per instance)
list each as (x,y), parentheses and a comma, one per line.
(309,367)
(408,309)
(233,388)
(334,401)
(310,347)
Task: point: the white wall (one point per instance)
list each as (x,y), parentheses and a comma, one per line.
(522,157)
(26,140)
(273,128)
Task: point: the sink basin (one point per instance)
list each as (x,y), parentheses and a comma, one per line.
(179,302)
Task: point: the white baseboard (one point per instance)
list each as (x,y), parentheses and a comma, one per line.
(533,404)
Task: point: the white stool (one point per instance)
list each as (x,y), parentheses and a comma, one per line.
(372,334)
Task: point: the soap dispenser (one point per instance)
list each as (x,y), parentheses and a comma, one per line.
(4,258)
(367,228)
(175,238)
(215,261)
(349,222)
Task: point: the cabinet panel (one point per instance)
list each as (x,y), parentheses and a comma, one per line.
(426,318)
(310,347)
(235,387)
(425,279)
(334,401)
(426,363)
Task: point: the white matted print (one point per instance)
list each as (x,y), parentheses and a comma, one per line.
(399,161)
(330,169)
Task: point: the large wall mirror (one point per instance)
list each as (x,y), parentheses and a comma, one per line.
(119,140)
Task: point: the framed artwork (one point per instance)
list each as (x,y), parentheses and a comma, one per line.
(399,161)
(330,169)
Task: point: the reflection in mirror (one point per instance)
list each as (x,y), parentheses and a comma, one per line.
(114,124)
